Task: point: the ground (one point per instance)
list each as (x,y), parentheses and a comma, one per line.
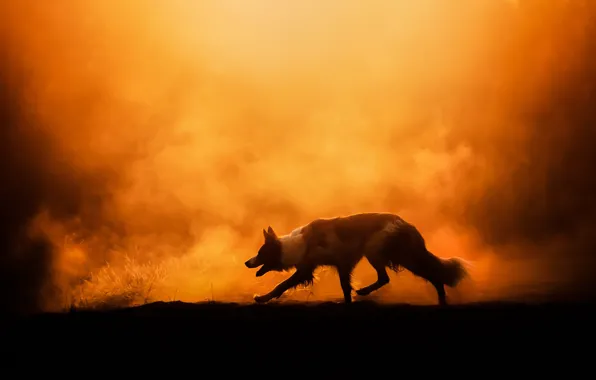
(308,330)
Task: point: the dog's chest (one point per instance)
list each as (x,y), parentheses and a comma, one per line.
(293,250)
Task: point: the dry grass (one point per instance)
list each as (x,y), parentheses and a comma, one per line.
(129,282)
(112,287)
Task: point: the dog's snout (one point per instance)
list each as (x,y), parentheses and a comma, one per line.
(251,263)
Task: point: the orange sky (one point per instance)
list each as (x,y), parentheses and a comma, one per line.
(203,122)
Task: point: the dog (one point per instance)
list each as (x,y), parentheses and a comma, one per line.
(384,239)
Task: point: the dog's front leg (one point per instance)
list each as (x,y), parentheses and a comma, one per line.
(299,277)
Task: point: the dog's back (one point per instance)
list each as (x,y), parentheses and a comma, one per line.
(355,226)
(343,241)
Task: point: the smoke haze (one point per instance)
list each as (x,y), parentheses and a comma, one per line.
(145,144)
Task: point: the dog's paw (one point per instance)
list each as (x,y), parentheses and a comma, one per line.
(363,292)
(261,299)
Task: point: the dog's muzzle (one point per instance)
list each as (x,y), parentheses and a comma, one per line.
(252,263)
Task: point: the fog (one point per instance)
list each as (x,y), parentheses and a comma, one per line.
(146,144)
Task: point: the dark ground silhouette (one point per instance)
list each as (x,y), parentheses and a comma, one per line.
(314,333)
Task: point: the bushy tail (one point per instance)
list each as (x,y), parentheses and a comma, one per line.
(453,271)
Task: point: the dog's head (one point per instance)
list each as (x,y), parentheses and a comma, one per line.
(269,255)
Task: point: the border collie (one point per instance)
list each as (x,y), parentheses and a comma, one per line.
(386,240)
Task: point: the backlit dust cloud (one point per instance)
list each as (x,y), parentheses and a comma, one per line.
(146,144)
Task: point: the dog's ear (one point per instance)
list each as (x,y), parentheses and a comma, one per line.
(271,232)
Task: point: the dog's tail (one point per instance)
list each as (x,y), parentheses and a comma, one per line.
(452,271)
(405,238)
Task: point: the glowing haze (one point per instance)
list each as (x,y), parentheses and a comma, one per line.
(147,143)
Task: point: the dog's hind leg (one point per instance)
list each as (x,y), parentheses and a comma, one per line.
(301,276)
(440,293)
(382,277)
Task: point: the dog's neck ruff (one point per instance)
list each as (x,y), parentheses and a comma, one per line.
(293,248)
